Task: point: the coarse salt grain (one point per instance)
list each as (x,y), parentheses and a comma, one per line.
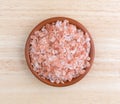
(59,51)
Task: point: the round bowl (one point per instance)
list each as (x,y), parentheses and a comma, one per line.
(38,27)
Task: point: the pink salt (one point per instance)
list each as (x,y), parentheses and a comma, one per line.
(59,51)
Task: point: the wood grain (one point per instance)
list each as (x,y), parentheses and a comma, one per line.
(102,83)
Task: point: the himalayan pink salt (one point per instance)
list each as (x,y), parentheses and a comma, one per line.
(60,51)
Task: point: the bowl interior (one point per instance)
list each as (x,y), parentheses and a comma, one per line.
(38,27)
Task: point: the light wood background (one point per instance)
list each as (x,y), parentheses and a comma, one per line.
(102,83)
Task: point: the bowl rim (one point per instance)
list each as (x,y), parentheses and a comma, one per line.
(38,27)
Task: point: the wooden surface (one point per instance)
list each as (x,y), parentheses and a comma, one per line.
(102,83)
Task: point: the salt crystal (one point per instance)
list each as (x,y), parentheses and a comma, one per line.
(68,37)
(51,58)
(52,39)
(78,40)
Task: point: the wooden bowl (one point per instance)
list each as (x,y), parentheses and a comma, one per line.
(38,27)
